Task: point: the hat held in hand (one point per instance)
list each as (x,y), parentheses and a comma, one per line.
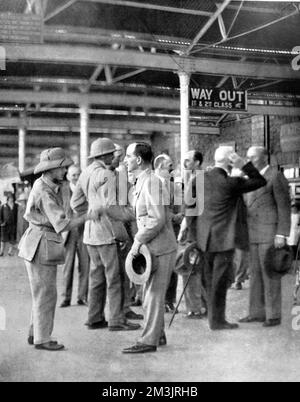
(279,261)
(138,268)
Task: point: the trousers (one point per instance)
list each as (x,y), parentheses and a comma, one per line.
(218,274)
(154,298)
(265,292)
(42,279)
(75,246)
(105,279)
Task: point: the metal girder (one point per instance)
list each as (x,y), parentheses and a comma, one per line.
(101,99)
(250,9)
(150,6)
(245,33)
(35,5)
(108,74)
(128,75)
(96,74)
(123,100)
(57,124)
(209,23)
(94,56)
(59,9)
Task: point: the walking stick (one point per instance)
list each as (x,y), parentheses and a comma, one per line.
(181,297)
(191,262)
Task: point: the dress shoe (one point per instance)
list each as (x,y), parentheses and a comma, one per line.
(140,348)
(97,325)
(137,303)
(224,326)
(194,316)
(249,320)
(170,308)
(65,303)
(131,315)
(81,302)
(162,340)
(126,326)
(51,346)
(272,323)
(30,340)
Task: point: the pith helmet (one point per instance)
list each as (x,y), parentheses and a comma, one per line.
(52,158)
(101,147)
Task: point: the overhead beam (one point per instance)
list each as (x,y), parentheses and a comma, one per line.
(209,23)
(56,124)
(260,10)
(104,99)
(83,55)
(150,6)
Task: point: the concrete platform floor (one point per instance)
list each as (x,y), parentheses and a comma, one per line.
(194,353)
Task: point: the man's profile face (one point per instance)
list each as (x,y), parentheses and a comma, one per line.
(189,162)
(168,165)
(58,174)
(254,156)
(131,160)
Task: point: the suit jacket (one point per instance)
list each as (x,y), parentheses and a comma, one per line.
(269,209)
(219,227)
(151,210)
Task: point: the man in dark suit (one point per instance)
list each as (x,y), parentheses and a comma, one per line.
(218,226)
(269,218)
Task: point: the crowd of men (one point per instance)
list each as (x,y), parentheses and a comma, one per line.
(118,205)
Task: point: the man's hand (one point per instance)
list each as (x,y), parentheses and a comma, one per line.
(280,242)
(237,161)
(135,249)
(94,215)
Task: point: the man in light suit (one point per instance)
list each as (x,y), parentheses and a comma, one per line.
(269,218)
(219,229)
(156,232)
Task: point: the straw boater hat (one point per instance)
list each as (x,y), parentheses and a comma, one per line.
(51,159)
(102,147)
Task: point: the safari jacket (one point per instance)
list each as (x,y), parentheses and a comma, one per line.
(47,219)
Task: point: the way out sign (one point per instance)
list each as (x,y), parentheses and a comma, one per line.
(218,99)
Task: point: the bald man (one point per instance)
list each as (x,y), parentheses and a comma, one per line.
(269,219)
(218,228)
(74,246)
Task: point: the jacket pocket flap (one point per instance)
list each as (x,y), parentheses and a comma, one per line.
(53,237)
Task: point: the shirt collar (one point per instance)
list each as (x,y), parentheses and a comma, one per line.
(100,163)
(55,187)
(264,170)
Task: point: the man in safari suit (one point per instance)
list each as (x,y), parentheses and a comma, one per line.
(42,244)
(269,219)
(156,232)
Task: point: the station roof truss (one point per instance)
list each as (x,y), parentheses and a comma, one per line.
(122,57)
